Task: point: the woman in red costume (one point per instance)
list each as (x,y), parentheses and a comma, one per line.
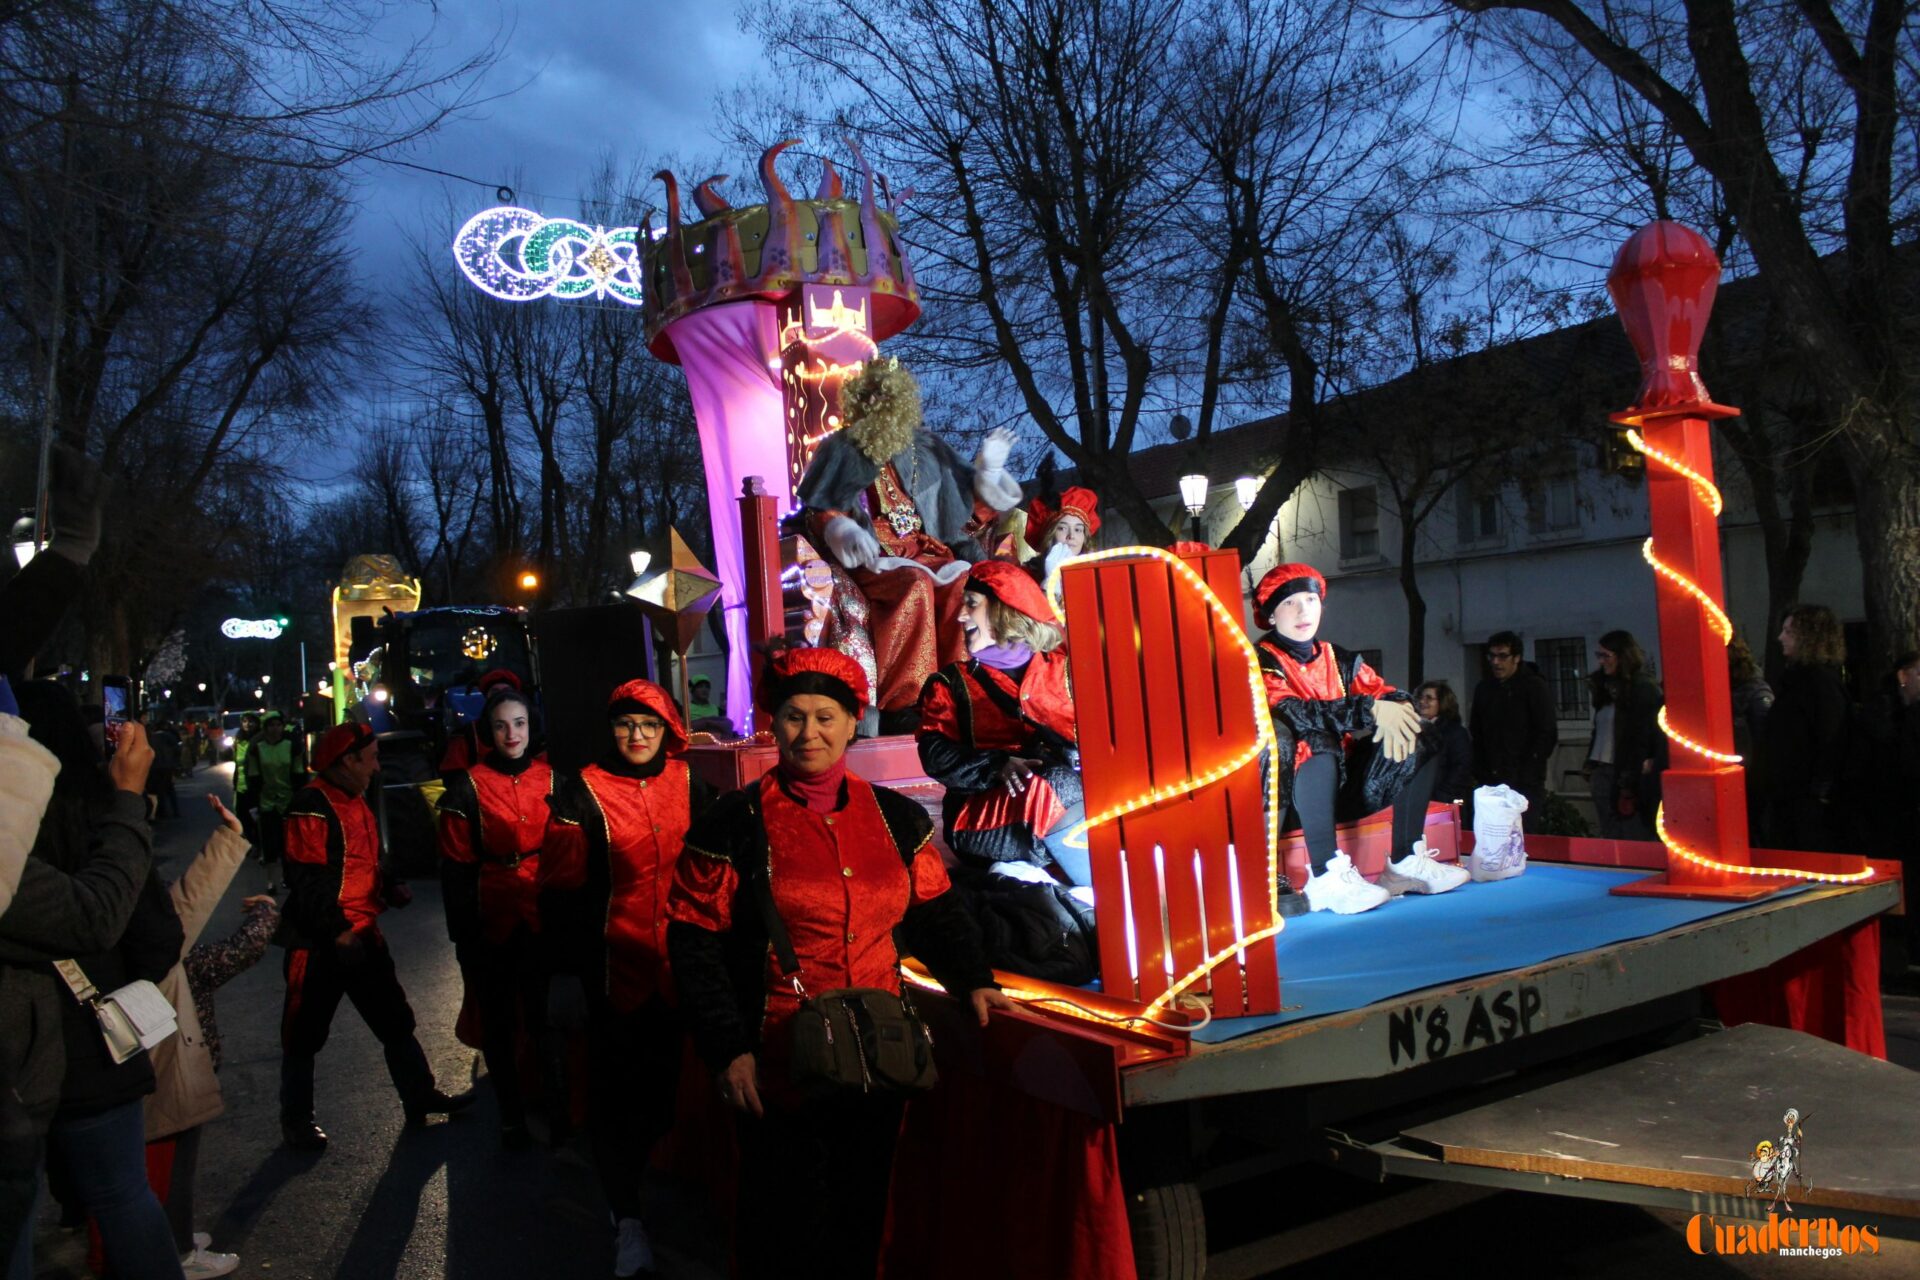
(997,732)
(845,864)
(1332,713)
(615,835)
(493,817)
(1060,527)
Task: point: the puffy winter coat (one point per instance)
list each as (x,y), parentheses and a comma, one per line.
(186,1091)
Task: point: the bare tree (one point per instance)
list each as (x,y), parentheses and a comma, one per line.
(1728,81)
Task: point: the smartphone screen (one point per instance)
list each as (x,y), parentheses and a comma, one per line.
(113,698)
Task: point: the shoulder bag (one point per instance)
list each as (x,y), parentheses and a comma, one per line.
(863,1039)
(132,1019)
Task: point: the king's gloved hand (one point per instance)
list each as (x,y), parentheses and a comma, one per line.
(1398,728)
(994,450)
(851,545)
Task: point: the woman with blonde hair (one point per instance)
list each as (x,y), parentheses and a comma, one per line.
(997,731)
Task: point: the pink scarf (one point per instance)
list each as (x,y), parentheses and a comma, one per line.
(820,792)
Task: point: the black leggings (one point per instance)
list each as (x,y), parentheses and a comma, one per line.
(1316,795)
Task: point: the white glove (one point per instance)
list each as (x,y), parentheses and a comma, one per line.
(1397,728)
(851,545)
(994,450)
(1057,554)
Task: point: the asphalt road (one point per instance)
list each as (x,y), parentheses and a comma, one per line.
(448,1202)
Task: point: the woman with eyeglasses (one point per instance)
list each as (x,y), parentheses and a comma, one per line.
(493,821)
(615,834)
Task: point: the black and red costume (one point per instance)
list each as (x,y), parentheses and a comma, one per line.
(336,892)
(851,870)
(493,822)
(613,839)
(1004,702)
(1321,698)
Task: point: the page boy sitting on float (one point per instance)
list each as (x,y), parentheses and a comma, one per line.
(997,731)
(898,509)
(1060,526)
(1349,747)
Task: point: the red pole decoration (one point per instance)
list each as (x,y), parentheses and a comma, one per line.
(1662,282)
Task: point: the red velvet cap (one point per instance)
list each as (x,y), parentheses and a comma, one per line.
(1013,587)
(343,739)
(792,670)
(1043,515)
(499,675)
(645,695)
(1282,581)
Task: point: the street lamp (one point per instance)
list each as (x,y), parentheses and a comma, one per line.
(203,686)
(25,540)
(258,694)
(1193,493)
(529,581)
(266,679)
(1246,488)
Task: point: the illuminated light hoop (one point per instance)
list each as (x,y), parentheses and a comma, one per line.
(554,257)
(1264,740)
(1793,873)
(1697,748)
(251,628)
(1723,627)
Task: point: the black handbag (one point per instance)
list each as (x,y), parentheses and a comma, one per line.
(851,1038)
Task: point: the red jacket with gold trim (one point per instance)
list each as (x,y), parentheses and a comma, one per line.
(843,882)
(493,821)
(972,718)
(612,840)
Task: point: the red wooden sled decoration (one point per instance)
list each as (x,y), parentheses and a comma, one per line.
(1161,683)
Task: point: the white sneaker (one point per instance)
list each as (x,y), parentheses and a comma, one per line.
(1342,890)
(632,1252)
(204,1264)
(1419,872)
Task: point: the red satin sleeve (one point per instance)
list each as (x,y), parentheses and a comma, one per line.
(1366,680)
(928,875)
(306,836)
(938,711)
(563,855)
(456,837)
(703,889)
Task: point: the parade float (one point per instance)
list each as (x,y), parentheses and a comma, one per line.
(1224,1037)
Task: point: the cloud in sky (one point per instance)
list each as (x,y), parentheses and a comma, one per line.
(579,79)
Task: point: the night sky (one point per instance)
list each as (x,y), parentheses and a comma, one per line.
(639,78)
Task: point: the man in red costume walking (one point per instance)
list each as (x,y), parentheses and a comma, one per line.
(336,890)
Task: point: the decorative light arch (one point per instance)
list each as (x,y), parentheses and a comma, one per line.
(518,255)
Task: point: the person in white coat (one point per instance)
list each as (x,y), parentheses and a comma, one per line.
(186,1091)
(27,771)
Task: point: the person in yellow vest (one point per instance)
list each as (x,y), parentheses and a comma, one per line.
(275,769)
